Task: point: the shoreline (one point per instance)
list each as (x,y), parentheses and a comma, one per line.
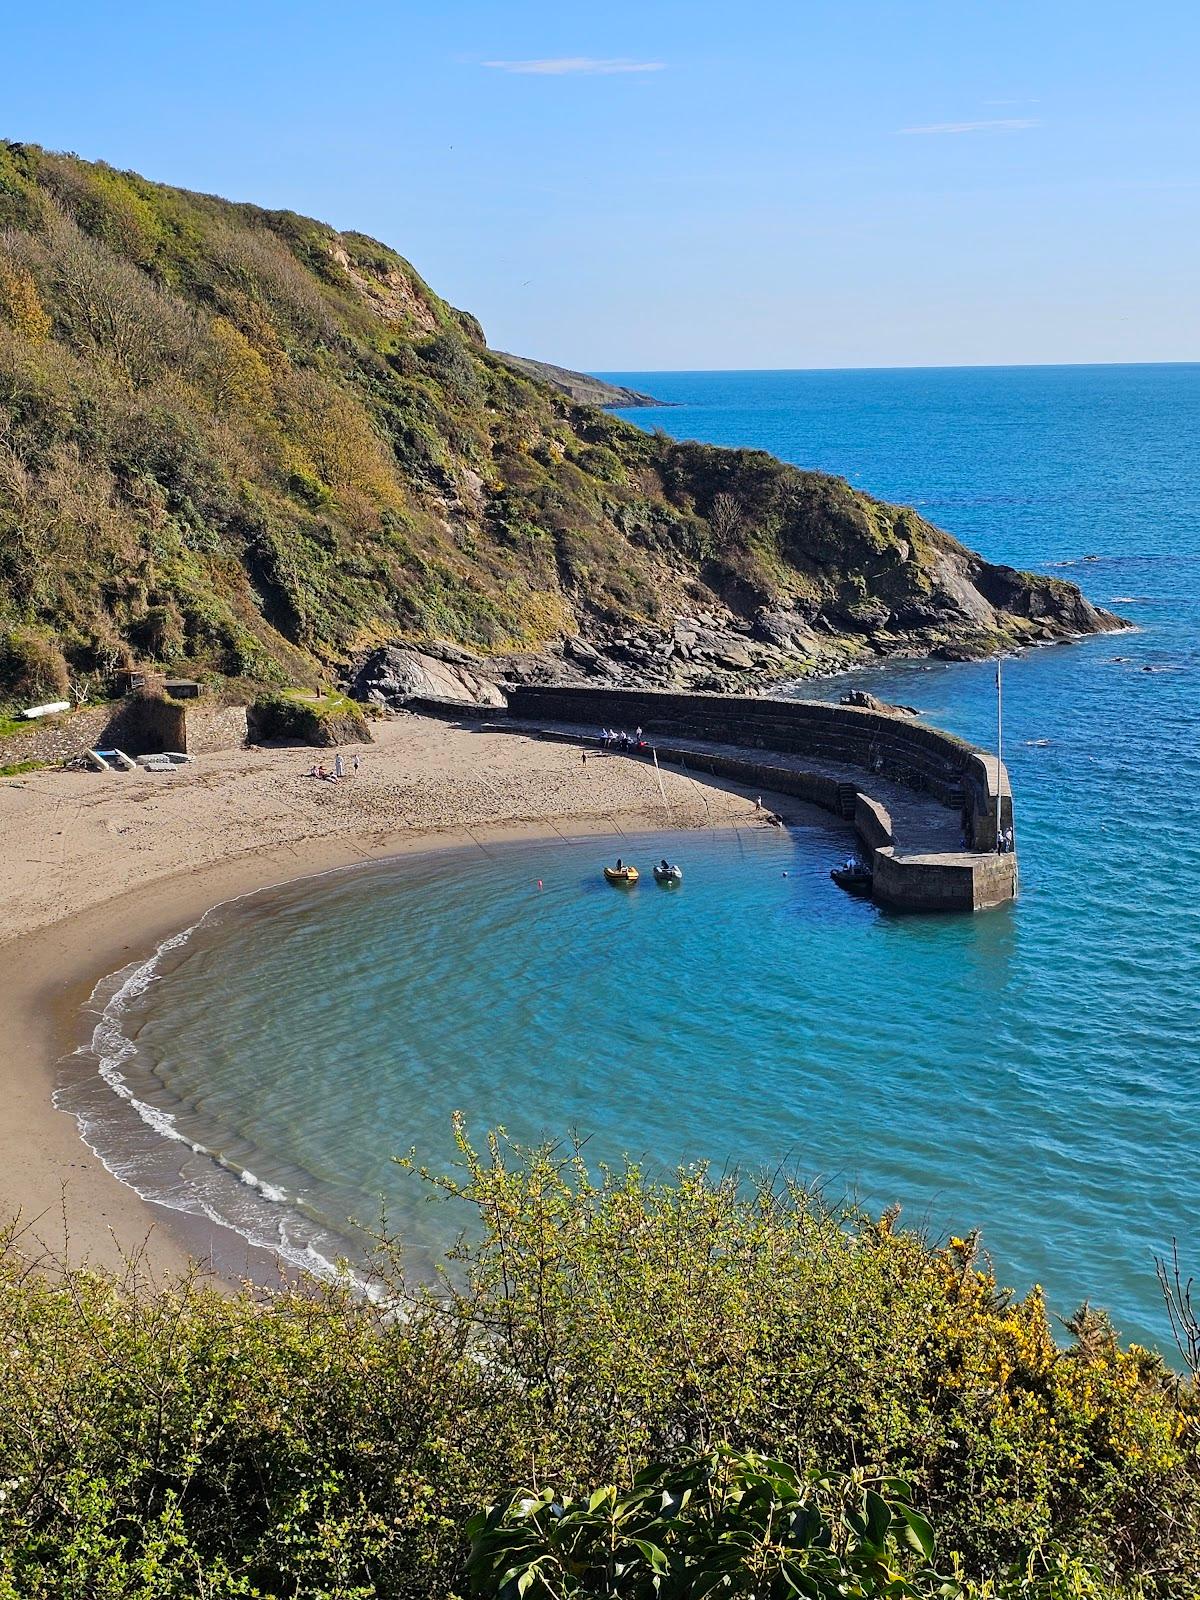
(69,1204)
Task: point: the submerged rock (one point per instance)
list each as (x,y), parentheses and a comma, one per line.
(869,702)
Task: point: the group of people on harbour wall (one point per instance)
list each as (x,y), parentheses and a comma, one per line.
(611,738)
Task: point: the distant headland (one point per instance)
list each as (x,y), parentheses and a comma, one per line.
(581,387)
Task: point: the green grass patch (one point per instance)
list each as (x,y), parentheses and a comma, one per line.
(322,720)
(333,704)
(14,769)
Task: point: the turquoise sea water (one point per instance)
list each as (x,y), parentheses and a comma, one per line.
(1033,1070)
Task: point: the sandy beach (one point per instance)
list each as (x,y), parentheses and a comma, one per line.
(100,868)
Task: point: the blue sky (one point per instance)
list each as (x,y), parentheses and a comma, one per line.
(661,185)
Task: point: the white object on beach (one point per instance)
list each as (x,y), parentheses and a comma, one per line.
(51,708)
(156,763)
(110,760)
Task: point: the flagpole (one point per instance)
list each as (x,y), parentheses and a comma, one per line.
(999,755)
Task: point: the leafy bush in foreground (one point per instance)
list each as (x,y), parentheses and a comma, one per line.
(172,1440)
(730,1525)
(737,1525)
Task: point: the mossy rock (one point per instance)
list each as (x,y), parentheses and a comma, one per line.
(325,722)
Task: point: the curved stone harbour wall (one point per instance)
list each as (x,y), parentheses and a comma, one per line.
(953,773)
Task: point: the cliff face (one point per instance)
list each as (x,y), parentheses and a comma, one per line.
(239,442)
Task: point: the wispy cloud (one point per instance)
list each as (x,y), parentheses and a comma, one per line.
(993,125)
(560,66)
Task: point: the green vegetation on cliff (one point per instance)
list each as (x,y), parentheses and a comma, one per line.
(178,1441)
(581,387)
(238,441)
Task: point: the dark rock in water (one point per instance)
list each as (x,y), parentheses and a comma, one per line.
(869,702)
(958,652)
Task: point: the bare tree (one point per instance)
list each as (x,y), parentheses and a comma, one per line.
(1185,1321)
(725,516)
(113,308)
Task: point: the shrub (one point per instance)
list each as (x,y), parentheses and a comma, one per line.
(637,1319)
(32,667)
(715,1524)
(739,1525)
(168,1440)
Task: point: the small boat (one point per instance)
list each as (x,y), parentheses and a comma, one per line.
(623,877)
(854,875)
(668,875)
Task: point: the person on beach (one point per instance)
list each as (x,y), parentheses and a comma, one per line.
(339,766)
(356,763)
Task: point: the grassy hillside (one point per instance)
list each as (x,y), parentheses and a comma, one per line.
(236,441)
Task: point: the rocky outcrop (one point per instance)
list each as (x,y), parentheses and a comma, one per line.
(1057,609)
(323,723)
(719,651)
(395,674)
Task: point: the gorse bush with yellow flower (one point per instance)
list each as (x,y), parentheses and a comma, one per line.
(177,1440)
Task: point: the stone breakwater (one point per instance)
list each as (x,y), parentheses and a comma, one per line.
(927,807)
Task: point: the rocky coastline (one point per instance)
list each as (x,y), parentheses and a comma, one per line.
(714,650)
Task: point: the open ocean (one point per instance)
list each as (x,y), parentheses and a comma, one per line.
(1034,1071)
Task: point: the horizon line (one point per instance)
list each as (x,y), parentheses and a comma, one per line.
(890,366)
